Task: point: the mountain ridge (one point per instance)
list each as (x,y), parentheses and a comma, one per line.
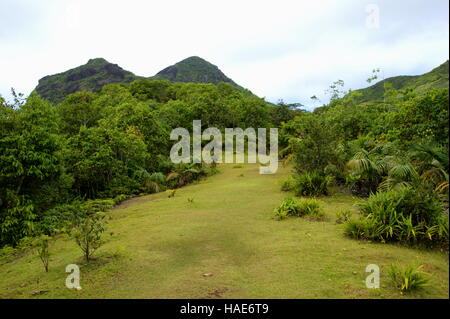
(91,76)
(437,77)
(98,72)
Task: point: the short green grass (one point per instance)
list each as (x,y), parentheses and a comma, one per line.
(224,244)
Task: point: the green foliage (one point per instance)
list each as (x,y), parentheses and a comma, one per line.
(119,199)
(102,159)
(97,205)
(87,233)
(17,219)
(283,113)
(303,207)
(409,278)
(41,244)
(312,183)
(90,76)
(423,117)
(78,109)
(311,143)
(438,77)
(193,69)
(30,149)
(152,183)
(62,218)
(107,136)
(403,215)
(288,184)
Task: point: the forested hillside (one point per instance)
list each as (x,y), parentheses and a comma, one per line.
(194,69)
(91,76)
(105,144)
(63,162)
(436,78)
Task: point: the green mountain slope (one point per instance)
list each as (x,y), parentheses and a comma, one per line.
(193,69)
(438,77)
(91,76)
(98,72)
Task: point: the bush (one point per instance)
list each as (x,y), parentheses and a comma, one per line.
(59,218)
(120,198)
(335,172)
(312,184)
(97,205)
(403,215)
(62,217)
(87,234)
(288,184)
(17,220)
(42,250)
(303,207)
(355,228)
(408,278)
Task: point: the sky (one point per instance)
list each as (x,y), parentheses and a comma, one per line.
(288,50)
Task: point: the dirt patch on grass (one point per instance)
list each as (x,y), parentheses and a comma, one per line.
(216,293)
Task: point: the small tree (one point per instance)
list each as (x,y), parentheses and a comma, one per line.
(87,233)
(42,250)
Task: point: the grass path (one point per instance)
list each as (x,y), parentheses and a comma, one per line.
(224,244)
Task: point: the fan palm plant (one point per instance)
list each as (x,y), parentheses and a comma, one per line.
(152,183)
(370,167)
(185,173)
(401,175)
(433,164)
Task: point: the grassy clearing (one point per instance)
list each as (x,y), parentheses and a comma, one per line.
(223,244)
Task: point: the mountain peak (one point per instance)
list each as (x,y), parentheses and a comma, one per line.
(194,69)
(90,76)
(97,61)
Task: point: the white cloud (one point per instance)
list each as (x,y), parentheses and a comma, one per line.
(283,49)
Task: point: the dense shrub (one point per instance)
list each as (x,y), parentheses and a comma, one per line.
(16,219)
(404,215)
(97,205)
(62,217)
(408,278)
(288,184)
(300,207)
(312,184)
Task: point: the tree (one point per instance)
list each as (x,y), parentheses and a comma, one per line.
(78,109)
(104,159)
(88,234)
(336,90)
(311,143)
(30,147)
(374,75)
(42,250)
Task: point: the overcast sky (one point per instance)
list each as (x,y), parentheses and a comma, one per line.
(287,50)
